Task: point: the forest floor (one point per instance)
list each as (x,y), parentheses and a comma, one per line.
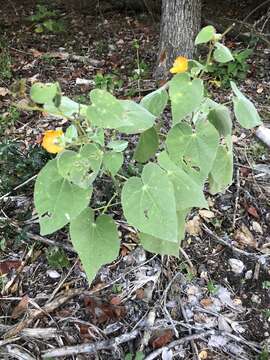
(211,303)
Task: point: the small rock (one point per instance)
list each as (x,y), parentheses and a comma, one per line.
(193,290)
(236,265)
(257,227)
(255,299)
(223,324)
(248,275)
(53,274)
(112,47)
(237,327)
(80,81)
(120,42)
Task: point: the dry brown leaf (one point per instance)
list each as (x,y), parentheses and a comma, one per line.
(206,302)
(36,53)
(244,171)
(102,311)
(3,91)
(21,308)
(253,212)
(85,332)
(193,226)
(206,214)
(140,294)
(245,238)
(162,339)
(7,265)
(116,300)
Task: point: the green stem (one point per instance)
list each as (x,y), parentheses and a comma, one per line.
(109,203)
(227,30)
(139,68)
(105,207)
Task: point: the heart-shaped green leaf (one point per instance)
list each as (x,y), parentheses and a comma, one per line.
(124,115)
(206,34)
(136,118)
(96,241)
(222,171)
(222,54)
(80,168)
(106,111)
(149,203)
(147,145)
(156,101)
(220,117)
(245,112)
(118,145)
(57,201)
(163,247)
(186,96)
(196,148)
(188,193)
(113,161)
(67,108)
(43,93)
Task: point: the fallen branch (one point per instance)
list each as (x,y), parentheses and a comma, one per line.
(48,308)
(234,248)
(91,348)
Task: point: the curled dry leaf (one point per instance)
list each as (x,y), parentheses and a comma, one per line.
(245,238)
(206,302)
(253,212)
(102,311)
(163,339)
(193,226)
(7,265)
(206,214)
(116,300)
(21,308)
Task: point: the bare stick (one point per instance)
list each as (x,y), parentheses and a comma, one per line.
(165,302)
(48,308)
(18,187)
(234,248)
(91,348)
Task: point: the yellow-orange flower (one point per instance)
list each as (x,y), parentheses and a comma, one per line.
(50,141)
(180,65)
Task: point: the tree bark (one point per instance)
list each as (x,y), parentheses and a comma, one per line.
(180,23)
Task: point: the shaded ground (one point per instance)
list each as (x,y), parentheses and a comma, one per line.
(153,300)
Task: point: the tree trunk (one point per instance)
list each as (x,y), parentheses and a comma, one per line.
(180,23)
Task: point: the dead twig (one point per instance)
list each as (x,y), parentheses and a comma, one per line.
(234,248)
(62,281)
(91,348)
(18,187)
(47,309)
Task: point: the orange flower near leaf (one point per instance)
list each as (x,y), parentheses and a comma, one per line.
(180,65)
(50,141)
